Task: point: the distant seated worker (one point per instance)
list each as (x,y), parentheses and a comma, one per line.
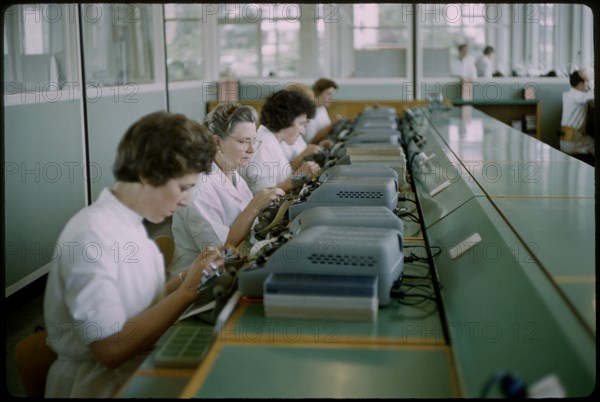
(222,210)
(300,146)
(463,66)
(283,118)
(574,113)
(320,127)
(484,63)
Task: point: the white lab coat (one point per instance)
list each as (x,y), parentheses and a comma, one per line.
(269,165)
(574,108)
(574,113)
(484,67)
(215,205)
(106,271)
(292,151)
(315,125)
(464,68)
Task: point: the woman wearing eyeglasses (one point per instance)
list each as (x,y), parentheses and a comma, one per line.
(222,210)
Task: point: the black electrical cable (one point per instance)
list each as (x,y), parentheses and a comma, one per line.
(424,297)
(409,218)
(419,283)
(434,278)
(417,290)
(402,199)
(412,258)
(430,247)
(412,159)
(402,213)
(418,264)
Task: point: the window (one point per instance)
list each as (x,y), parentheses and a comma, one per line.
(445,26)
(545,39)
(280,48)
(239,50)
(380,25)
(382,37)
(529,39)
(183,32)
(39,50)
(118,44)
(538,39)
(259,40)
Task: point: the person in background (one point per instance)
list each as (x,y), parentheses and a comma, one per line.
(574,114)
(484,63)
(320,127)
(106,301)
(292,151)
(222,210)
(283,118)
(463,66)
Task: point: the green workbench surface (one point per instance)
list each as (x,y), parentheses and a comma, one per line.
(482,138)
(395,324)
(406,338)
(159,385)
(504,311)
(535,179)
(325,371)
(152,381)
(504,144)
(560,233)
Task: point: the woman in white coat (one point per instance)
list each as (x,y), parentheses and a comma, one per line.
(320,127)
(283,118)
(106,301)
(574,115)
(223,209)
(300,149)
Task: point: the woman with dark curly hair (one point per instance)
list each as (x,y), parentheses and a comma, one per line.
(283,118)
(107,301)
(300,146)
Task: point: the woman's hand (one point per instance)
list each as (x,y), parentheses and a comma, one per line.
(326,144)
(192,278)
(338,117)
(309,169)
(310,149)
(264,197)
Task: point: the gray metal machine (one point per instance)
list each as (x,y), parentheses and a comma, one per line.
(349,190)
(332,250)
(359,171)
(354,216)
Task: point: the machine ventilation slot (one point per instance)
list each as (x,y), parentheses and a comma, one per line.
(360,194)
(348,260)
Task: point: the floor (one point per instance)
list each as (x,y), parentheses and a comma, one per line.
(24,312)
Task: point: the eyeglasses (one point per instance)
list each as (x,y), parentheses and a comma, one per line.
(247,141)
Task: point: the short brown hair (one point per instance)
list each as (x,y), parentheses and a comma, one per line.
(322,84)
(305,89)
(162,146)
